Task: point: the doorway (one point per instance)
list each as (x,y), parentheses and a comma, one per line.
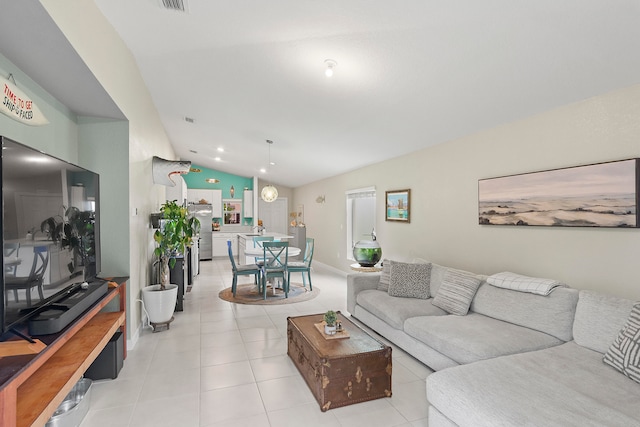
(274,215)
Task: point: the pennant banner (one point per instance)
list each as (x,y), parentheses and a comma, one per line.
(18,106)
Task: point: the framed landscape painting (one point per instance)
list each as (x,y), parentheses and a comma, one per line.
(598,195)
(398,206)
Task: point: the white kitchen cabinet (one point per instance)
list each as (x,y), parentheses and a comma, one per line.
(247,204)
(212,197)
(219,243)
(194,195)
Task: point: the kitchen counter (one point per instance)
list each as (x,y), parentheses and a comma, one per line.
(245,241)
(239,241)
(276,236)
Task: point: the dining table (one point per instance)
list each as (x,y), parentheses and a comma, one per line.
(259,253)
(10,261)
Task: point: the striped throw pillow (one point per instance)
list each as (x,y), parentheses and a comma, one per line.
(383,285)
(624,353)
(456,292)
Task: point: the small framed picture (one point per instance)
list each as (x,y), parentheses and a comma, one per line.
(398,205)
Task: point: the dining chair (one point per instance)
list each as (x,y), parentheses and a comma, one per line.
(241,270)
(303,266)
(11,251)
(258,241)
(275,256)
(35,277)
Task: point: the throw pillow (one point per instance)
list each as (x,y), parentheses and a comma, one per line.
(456,292)
(518,282)
(624,353)
(409,280)
(383,285)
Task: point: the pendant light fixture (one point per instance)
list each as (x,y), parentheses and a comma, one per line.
(269,192)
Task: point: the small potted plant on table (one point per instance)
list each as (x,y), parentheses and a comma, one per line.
(330,318)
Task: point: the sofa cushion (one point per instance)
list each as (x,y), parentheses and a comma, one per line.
(518,282)
(552,314)
(409,280)
(624,353)
(566,385)
(393,310)
(474,337)
(598,319)
(383,285)
(456,292)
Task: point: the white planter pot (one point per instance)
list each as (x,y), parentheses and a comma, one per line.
(330,330)
(160,305)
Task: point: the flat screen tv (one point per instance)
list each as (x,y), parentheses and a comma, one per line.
(50,230)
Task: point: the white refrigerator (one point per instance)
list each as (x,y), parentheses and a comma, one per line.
(204,215)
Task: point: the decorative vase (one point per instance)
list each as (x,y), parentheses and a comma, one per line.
(367,252)
(330,330)
(160,304)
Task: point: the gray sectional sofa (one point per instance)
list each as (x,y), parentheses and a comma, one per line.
(516,358)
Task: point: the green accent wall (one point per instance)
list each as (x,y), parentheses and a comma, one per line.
(197,180)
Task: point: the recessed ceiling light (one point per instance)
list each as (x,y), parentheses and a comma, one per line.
(331,64)
(263,170)
(217,159)
(220,150)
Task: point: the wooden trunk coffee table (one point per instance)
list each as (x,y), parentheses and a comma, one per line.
(339,371)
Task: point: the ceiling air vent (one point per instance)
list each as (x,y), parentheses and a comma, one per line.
(179,5)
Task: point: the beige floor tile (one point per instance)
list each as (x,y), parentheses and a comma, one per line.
(117,416)
(220,355)
(282,393)
(226,365)
(310,413)
(410,400)
(172,411)
(229,404)
(268,368)
(227,375)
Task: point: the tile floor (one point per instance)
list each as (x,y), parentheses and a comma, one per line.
(224,364)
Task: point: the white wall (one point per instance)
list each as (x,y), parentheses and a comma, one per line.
(444,219)
(114,67)
(104,148)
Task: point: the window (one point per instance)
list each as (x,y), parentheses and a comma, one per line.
(361,216)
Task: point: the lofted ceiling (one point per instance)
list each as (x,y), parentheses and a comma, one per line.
(409,74)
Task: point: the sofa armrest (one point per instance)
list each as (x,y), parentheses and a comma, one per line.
(358,282)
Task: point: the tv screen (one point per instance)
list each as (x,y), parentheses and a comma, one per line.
(50,229)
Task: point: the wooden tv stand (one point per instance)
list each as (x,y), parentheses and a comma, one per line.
(32,386)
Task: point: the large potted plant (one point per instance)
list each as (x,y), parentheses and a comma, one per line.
(76,231)
(172,238)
